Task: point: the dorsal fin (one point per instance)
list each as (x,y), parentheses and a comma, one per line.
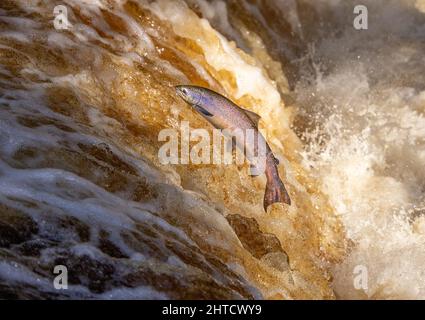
(253,116)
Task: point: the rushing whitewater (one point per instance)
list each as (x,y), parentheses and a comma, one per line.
(365,140)
(81,186)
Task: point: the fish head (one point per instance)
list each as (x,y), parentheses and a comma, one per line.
(198,98)
(192,95)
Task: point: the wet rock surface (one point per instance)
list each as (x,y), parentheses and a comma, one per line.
(81,184)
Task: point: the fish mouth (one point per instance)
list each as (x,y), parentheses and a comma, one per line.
(185,93)
(182,92)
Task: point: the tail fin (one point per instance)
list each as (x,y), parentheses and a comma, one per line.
(275,192)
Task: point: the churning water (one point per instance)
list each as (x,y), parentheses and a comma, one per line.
(81,107)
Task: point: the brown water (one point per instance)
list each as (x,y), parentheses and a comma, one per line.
(81,184)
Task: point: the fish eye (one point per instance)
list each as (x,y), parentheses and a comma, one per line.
(185,91)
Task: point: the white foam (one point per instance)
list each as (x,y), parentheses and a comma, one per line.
(367,148)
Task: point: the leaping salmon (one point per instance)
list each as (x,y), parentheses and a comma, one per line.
(224,114)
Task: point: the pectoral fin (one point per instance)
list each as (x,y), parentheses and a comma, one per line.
(203,111)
